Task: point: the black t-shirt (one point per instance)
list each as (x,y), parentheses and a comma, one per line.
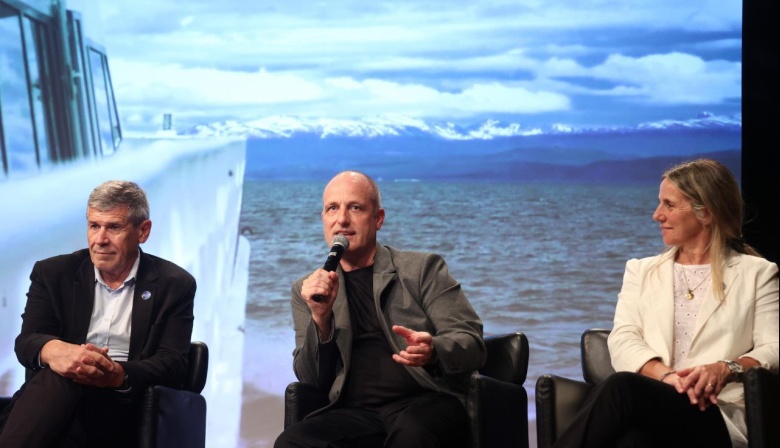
(374,378)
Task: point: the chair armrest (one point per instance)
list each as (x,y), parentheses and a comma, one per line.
(498,413)
(507,357)
(300,400)
(761,407)
(172,418)
(558,400)
(197,367)
(594,353)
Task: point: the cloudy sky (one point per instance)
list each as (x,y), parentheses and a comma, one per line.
(534,62)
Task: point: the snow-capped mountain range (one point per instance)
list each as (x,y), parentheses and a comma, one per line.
(275,127)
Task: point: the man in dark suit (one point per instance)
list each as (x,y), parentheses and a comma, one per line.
(100,325)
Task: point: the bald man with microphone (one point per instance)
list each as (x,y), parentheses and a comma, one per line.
(388,334)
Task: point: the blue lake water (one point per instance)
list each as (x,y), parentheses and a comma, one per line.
(546,260)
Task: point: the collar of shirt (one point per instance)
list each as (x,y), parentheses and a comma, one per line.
(128,281)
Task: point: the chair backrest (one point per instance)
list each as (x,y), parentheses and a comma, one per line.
(761,407)
(507,357)
(198,367)
(594,353)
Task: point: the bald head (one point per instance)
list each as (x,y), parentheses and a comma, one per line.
(358,178)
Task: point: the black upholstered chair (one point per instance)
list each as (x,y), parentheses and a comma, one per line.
(559,399)
(496,401)
(761,407)
(174,417)
(177,417)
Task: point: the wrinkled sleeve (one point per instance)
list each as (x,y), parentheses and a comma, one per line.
(457,340)
(313,363)
(627,346)
(765,326)
(41,321)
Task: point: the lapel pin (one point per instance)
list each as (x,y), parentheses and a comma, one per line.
(146,295)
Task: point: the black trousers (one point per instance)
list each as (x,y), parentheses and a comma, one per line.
(427,420)
(632,410)
(52,411)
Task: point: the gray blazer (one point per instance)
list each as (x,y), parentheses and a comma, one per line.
(413,289)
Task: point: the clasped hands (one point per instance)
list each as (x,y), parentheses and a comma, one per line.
(85,364)
(701,383)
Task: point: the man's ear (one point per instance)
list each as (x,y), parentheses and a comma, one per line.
(143,230)
(380,218)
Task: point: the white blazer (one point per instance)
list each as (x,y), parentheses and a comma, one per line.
(744,323)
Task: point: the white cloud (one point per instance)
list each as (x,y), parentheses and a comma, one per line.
(433,58)
(673,78)
(374,96)
(207,86)
(498,98)
(145,91)
(349,35)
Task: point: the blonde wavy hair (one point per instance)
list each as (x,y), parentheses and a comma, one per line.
(709,185)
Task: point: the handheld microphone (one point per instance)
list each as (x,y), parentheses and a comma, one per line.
(338,246)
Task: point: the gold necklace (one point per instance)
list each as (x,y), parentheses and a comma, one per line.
(689,295)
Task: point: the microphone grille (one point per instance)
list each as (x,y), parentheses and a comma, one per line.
(341,240)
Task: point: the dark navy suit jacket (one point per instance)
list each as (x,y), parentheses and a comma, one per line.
(60,302)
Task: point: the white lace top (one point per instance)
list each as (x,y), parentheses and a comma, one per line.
(696,279)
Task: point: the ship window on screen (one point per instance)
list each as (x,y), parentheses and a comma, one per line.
(18,138)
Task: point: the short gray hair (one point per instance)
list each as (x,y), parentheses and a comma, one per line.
(114,194)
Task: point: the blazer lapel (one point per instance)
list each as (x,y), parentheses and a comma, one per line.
(730,275)
(382,281)
(83,302)
(709,306)
(343,331)
(144,298)
(384,274)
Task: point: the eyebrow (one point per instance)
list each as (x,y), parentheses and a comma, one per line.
(348,203)
(109,223)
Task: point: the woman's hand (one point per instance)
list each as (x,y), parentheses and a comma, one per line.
(673,379)
(703,383)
